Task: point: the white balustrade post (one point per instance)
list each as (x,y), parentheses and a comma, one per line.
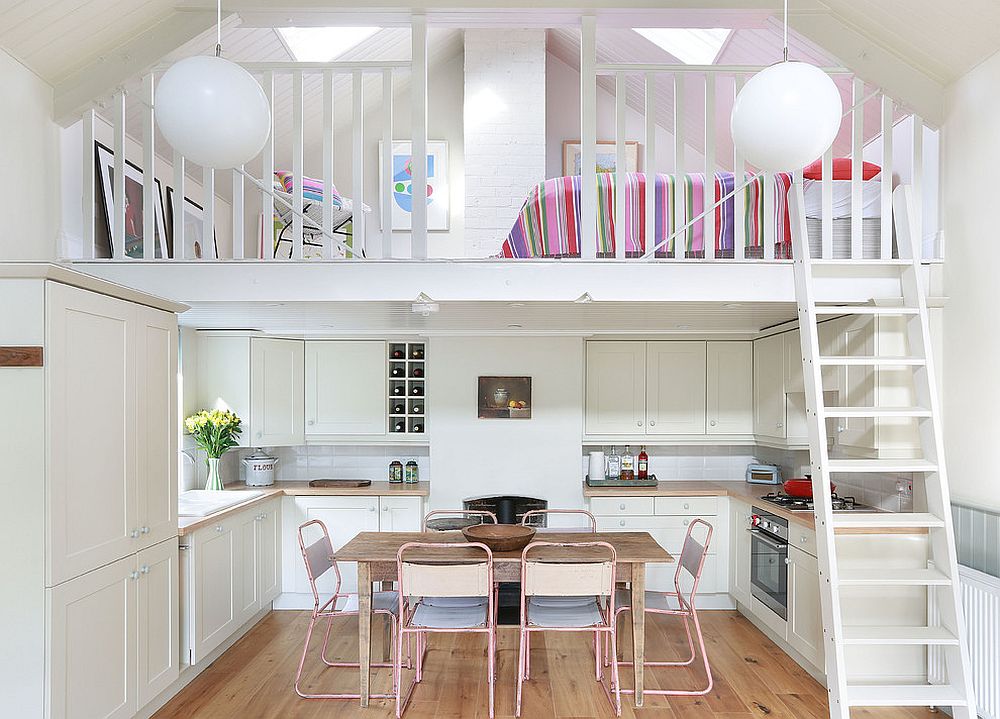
(885,198)
(118,185)
(588,137)
(649,164)
(739,198)
(680,215)
(177,209)
(857,160)
(385,191)
(267,176)
(358,162)
(298,163)
(328,143)
(418,127)
(89,182)
(708,225)
(621,170)
(149,191)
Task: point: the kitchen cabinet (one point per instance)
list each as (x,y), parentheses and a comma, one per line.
(675,388)
(231,573)
(769,387)
(739,551)
(616,388)
(805,617)
(729,388)
(400,514)
(113,636)
(347,390)
(260,379)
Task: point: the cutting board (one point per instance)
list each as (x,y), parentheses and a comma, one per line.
(342,483)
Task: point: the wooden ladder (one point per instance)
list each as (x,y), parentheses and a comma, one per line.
(940,574)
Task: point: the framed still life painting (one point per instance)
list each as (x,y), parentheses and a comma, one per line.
(401,185)
(504,398)
(134,240)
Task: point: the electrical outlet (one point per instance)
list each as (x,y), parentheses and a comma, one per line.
(904,487)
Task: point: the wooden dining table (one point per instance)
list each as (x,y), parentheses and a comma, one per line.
(375,555)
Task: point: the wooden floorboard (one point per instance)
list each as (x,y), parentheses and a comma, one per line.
(753,678)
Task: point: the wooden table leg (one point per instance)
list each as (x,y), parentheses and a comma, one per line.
(638,627)
(365,628)
(386,628)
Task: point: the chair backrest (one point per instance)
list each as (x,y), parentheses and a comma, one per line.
(481,513)
(318,557)
(448,569)
(692,559)
(588,520)
(573,569)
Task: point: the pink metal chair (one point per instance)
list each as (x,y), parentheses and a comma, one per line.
(481,513)
(470,576)
(318,558)
(564,574)
(588,520)
(692,561)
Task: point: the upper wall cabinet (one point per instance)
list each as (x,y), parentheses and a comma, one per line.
(669,388)
(260,379)
(769,387)
(616,388)
(675,387)
(347,390)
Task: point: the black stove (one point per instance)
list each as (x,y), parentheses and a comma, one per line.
(797,504)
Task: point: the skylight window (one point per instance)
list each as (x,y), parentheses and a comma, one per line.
(690,45)
(323,44)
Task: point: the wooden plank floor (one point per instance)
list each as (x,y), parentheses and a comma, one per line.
(753,678)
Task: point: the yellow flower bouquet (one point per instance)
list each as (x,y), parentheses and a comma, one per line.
(214,431)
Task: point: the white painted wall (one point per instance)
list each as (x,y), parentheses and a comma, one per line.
(970,157)
(505,109)
(538,457)
(29,166)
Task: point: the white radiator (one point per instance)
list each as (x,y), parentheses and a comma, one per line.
(981,604)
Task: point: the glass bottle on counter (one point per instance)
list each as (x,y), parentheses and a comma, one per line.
(614,464)
(396,471)
(628,465)
(412,474)
(642,466)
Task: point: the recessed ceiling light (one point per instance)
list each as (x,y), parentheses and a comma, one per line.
(690,45)
(323,44)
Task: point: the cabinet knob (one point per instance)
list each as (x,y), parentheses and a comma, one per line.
(144,530)
(652,423)
(687,521)
(687,506)
(144,569)
(218,528)
(639,423)
(371,509)
(840,428)
(133,575)
(311,422)
(622,506)
(385,509)
(134,534)
(260,434)
(787,560)
(712,423)
(621,523)
(779,425)
(803,540)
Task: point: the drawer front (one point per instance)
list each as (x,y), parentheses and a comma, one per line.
(669,532)
(802,538)
(613,506)
(694,506)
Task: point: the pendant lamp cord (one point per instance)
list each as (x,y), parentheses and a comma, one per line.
(218,29)
(784,53)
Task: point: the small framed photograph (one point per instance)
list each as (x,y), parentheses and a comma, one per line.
(134,239)
(194,228)
(504,398)
(607,157)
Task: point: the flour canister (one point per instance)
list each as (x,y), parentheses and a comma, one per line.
(259,469)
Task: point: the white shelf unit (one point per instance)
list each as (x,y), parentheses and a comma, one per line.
(407,368)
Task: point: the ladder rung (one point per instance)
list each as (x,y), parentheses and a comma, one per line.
(915,636)
(893,577)
(864,310)
(885,520)
(833,361)
(880,465)
(876,412)
(905,695)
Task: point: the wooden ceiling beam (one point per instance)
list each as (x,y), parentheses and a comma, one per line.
(79,91)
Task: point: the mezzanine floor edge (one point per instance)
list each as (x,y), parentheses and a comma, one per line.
(754,679)
(482,280)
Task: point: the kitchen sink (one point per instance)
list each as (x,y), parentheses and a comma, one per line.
(202,502)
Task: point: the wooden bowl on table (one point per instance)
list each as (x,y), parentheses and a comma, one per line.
(500,537)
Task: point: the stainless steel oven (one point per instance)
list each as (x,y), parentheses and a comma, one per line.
(769,561)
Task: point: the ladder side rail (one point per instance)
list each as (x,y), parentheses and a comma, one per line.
(936,489)
(816,422)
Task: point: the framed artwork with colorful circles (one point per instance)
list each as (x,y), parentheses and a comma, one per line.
(401,186)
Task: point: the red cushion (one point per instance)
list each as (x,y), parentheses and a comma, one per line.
(841,169)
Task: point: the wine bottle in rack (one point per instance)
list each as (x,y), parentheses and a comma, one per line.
(417,409)
(398,409)
(417,391)
(398,390)
(398,354)
(417,372)
(396,372)
(417,352)
(400,426)
(417,427)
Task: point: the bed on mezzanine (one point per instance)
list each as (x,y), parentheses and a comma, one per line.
(548,224)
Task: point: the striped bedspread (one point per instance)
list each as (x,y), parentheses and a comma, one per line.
(548,224)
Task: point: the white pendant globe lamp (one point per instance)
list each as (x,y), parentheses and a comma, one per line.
(211,110)
(787,115)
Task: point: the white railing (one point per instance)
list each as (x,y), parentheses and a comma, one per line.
(828,236)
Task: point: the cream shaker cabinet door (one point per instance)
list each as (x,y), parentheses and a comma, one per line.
(675,387)
(739,550)
(248,597)
(346,387)
(805,617)
(92,644)
(400,514)
(616,388)
(215,585)
(156,425)
(276,392)
(269,552)
(90,367)
(769,387)
(158,653)
(730,388)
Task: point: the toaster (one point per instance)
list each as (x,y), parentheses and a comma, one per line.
(763,474)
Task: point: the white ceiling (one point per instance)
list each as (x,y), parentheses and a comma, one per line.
(347,319)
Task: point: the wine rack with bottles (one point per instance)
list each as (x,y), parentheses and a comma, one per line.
(407,388)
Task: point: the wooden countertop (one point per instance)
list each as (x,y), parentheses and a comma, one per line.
(187,525)
(742,491)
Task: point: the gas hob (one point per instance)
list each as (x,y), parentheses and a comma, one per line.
(797,504)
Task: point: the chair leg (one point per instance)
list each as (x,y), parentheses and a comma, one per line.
(521,652)
(527,655)
(598,673)
(302,659)
(398,670)
(491,666)
(326,642)
(614,674)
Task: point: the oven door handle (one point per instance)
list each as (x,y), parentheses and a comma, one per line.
(758,534)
